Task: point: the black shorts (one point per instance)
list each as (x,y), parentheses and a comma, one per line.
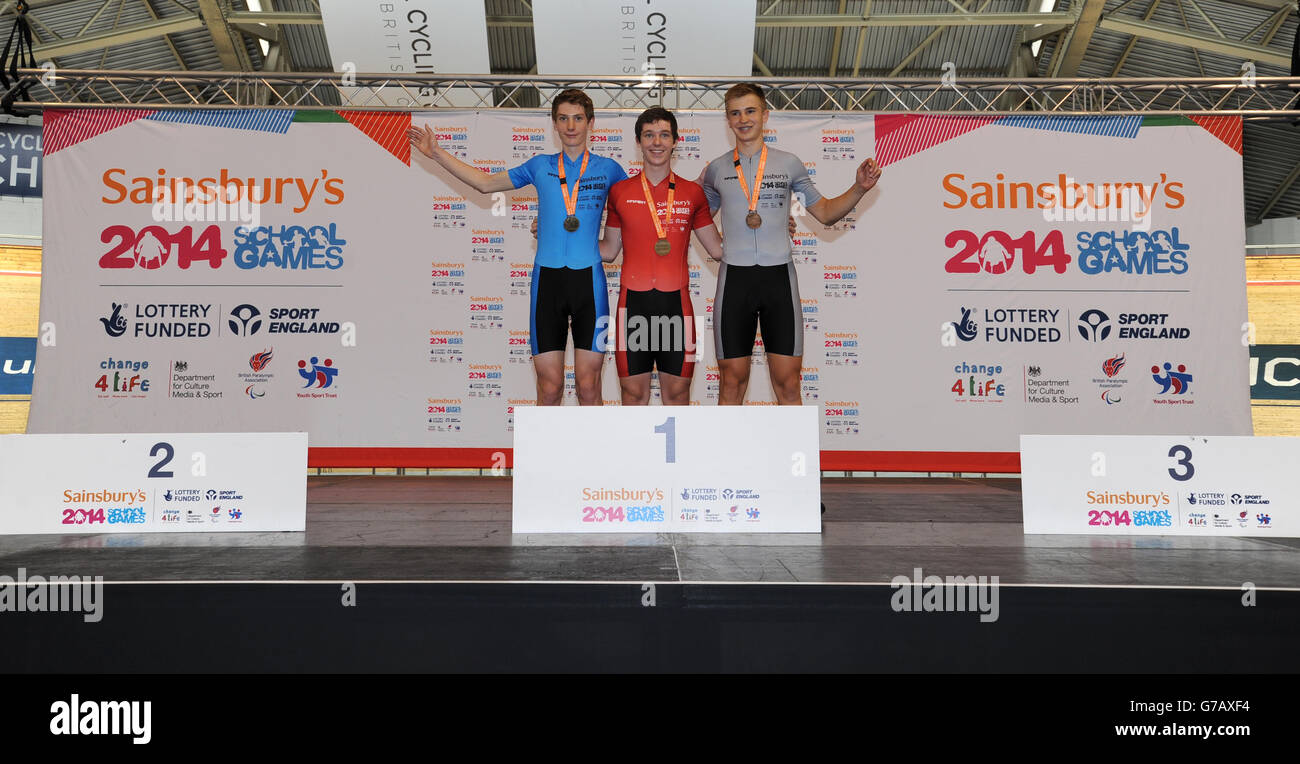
(655,329)
(561,296)
(754,296)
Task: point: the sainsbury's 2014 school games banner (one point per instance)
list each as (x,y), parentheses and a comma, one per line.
(1006,276)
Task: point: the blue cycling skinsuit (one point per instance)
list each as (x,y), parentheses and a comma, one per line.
(568,277)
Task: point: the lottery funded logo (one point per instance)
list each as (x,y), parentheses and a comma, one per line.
(319,375)
(518,349)
(1173,382)
(444,414)
(453,138)
(840,280)
(839,145)
(157,320)
(446,346)
(624,505)
(607,142)
(689,144)
(842,348)
(485,380)
(487,245)
(191,385)
(527,142)
(449,212)
(810,382)
(289,247)
(803,247)
(122,378)
(1047,389)
(1112,381)
(448,278)
(486,312)
(1009,325)
(979,383)
(523,211)
(842,417)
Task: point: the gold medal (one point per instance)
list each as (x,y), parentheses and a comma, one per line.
(662,247)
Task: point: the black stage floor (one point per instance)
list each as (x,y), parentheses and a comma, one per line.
(440,584)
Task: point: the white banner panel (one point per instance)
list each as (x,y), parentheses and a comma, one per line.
(662,469)
(373,303)
(153,483)
(1160,485)
(657,38)
(408,37)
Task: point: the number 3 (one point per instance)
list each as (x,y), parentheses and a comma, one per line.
(1185,461)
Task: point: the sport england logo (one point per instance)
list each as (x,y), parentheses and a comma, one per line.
(1094,325)
(244,320)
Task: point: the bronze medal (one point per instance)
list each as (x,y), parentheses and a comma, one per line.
(753,220)
(571,202)
(571,223)
(662,247)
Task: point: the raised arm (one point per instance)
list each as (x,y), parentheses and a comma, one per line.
(829,211)
(423,139)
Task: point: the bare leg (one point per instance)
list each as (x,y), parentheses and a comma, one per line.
(784,372)
(586,371)
(734,380)
(674,390)
(550,377)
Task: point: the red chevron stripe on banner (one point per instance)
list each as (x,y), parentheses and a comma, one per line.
(385,128)
(898,137)
(68,127)
(1226,129)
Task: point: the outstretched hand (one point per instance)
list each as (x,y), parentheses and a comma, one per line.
(422,139)
(868,174)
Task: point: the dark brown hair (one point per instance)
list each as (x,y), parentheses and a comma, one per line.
(576,97)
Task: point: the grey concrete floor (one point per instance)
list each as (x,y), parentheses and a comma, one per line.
(458,529)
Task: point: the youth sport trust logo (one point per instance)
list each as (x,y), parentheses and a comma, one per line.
(1173,381)
(319,375)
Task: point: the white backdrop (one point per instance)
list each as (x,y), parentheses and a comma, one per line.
(419,297)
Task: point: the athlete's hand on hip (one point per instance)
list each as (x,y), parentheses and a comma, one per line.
(791,226)
(422,139)
(868,174)
(533,227)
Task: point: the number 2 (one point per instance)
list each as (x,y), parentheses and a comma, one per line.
(157,470)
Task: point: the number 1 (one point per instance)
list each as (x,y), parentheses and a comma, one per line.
(669,429)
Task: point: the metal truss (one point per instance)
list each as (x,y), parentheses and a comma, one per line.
(1262,98)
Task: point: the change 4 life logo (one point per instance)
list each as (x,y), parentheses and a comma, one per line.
(319,376)
(119,378)
(257,379)
(1112,382)
(1174,382)
(157,320)
(979,383)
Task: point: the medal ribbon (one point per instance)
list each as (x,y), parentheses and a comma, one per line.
(571,204)
(650,202)
(758,181)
